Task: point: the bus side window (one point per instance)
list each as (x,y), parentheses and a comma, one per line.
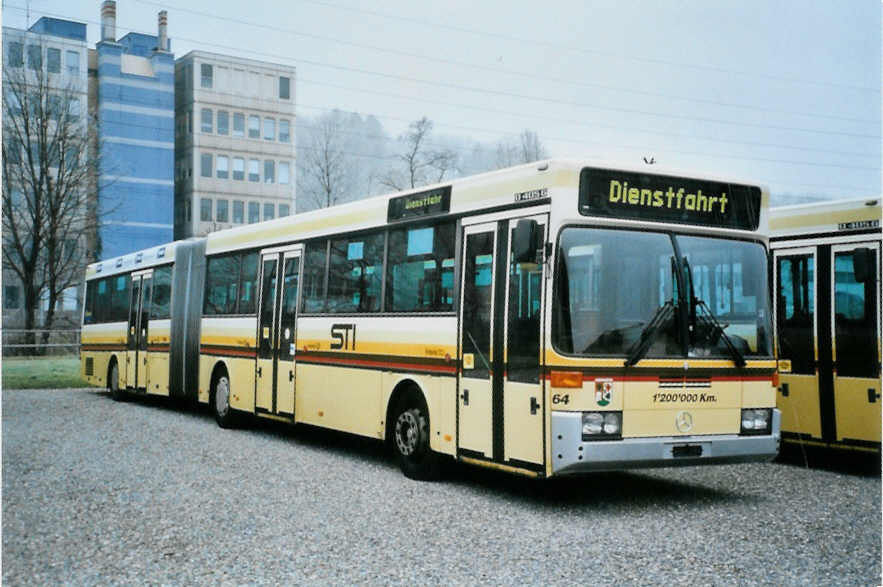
(795,292)
(248,279)
(88,316)
(855,318)
(315,259)
(162,293)
(420,276)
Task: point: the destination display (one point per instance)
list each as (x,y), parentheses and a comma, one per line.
(428,203)
(664,198)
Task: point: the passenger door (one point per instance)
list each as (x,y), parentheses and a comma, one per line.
(799,398)
(136,347)
(500,405)
(523,391)
(855,325)
(277,318)
(477,298)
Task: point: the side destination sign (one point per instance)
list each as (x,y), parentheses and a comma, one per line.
(664,198)
(428,203)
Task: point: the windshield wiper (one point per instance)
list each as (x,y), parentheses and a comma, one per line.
(709,321)
(663,315)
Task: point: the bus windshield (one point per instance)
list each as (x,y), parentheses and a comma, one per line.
(617,294)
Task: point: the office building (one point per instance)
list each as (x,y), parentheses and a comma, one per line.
(134,100)
(234,142)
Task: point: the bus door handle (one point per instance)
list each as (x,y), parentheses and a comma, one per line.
(873,396)
(534,406)
(260,370)
(291,376)
(465,397)
(785,391)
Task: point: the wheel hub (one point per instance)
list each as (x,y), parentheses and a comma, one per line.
(222,396)
(407,432)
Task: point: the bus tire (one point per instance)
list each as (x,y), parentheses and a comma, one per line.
(224,414)
(113,382)
(410,441)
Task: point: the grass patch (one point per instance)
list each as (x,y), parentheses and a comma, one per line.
(42,373)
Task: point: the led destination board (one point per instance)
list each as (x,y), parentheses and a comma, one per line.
(664,198)
(428,203)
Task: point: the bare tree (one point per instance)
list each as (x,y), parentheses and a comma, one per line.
(325,169)
(421,165)
(527,149)
(49,173)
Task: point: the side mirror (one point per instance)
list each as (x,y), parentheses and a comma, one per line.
(863,261)
(525,241)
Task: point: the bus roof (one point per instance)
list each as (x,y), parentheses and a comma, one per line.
(486,191)
(145,259)
(836,216)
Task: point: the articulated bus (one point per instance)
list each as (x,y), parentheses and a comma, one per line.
(547,319)
(827,315)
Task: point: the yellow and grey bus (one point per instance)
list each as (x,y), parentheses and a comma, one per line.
(827,316)
(547,319)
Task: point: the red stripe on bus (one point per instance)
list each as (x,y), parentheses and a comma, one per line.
(342,362)
(228,352)
(658,378)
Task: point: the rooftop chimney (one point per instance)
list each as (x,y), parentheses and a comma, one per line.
(163,39)
(109,21)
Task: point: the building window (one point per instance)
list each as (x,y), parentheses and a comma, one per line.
(284,172)
(238,212)
(35,57)
(205,209)
(11,294)
(53,60)
(238,124)
(284,131)
(206,118)
(269,211)
(284,88)
(223,122)
(13,155)
(206,70)
(189,121)
(283,210)
(54,105)
(254,212)
(254,170)
(269,171)
(205,164)
(270,129)
(254,126)
(73,62)
(238,168)
(222,211)
(15,54)
(73,109)
(222,167)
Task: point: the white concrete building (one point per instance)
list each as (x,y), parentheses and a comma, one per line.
(234,142)
(57,49)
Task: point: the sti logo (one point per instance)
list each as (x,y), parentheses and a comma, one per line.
(603,391)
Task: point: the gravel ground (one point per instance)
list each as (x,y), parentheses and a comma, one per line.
(97,492)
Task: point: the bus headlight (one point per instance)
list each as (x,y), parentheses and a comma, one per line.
(602,425)
(757,421)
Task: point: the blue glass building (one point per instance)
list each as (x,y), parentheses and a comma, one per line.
(136,115)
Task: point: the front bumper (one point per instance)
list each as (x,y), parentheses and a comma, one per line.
(570,454)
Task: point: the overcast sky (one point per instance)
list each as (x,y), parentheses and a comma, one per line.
(785,93)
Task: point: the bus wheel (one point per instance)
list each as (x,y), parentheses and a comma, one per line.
(113,383)
(411,442)
(221,401)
